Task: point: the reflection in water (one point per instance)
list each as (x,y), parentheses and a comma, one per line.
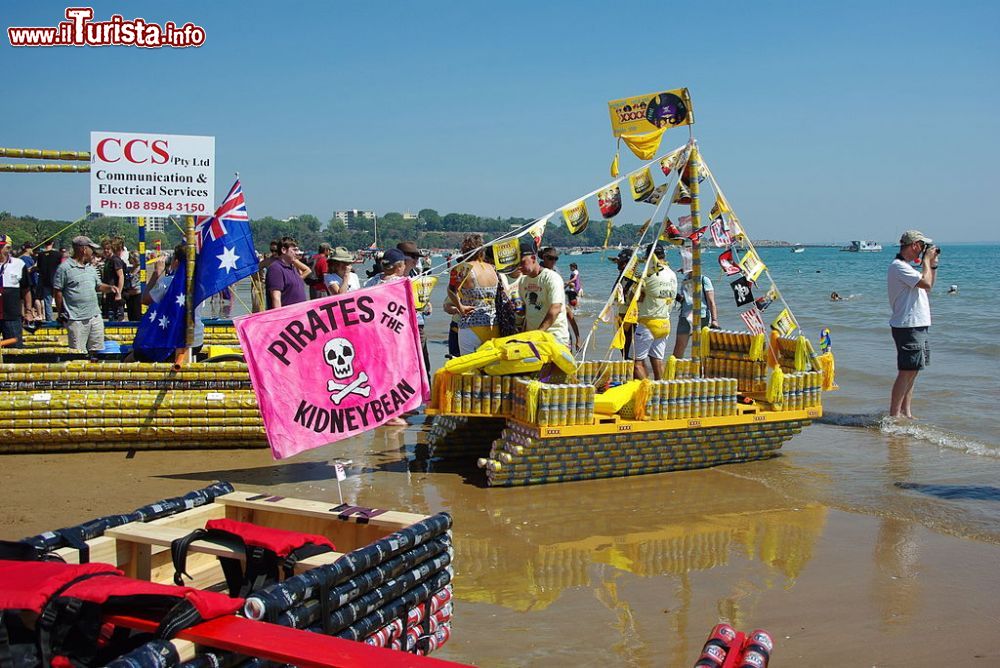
(896,589)
(526,547)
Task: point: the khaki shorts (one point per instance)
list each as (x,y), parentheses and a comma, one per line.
(86,334)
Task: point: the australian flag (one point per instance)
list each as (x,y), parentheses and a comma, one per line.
(163,328)
(225,247)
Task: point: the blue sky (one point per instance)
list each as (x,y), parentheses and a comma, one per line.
(822,121)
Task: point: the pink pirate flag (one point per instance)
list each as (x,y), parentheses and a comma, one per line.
(327,369)
(753,320)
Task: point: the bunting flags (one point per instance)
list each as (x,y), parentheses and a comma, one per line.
(763,302)
(655,196)
(696,236)
(614,167)
(607,232)
(681,194)
(720,207)
(784,324)
(753,320)
(720,232)
(728,263)
(669,163)
(423,286)
(670,231)
(506,253)
(641,183)
(742,291)
(538,229)
(752,265)
(610,201)
(576,217)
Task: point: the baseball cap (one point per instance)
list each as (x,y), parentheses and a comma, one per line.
(85,241)
(911,236)
(527,245)
(5,240)
(392,256)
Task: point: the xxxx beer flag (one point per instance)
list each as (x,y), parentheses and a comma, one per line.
(752,265)
(506,253)
(423,286)
(327,369)
(641,183)
(576,217)
(784,324)
(644,114)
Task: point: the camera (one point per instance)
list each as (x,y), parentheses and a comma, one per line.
(928,248)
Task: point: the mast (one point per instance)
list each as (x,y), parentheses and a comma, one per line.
(692,171)
(189,297)
(376,228)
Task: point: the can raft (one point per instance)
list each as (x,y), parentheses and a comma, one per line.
(80,406)
(525,455)
(388,584)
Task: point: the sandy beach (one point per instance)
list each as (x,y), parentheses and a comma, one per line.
(630,571)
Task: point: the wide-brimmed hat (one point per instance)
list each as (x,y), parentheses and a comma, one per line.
(85,241)
(408,248)
(341,254)
(912,236)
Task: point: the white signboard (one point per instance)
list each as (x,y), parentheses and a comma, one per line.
(151,174)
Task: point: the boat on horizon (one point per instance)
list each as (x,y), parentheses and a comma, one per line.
(864,247)
(799,249)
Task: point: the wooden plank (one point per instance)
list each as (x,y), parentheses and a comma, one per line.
(287,645)
(392,520)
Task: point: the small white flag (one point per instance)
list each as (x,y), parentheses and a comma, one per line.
(341,473)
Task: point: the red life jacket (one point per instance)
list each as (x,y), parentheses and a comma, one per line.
(266,550)
(69,603)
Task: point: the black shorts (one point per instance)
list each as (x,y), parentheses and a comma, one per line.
(913,348)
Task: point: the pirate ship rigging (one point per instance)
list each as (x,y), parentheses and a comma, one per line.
(739,396)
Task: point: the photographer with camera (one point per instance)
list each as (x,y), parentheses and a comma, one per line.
(911,314)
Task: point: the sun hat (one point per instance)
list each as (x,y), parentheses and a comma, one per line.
(912,236)
(341,254)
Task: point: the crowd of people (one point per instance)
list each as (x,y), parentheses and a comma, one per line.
(482,302)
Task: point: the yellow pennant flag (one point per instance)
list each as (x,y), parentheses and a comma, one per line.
(641,183)
(644,145)
(423,286)
(720,207)
(576,217)
(752,265)
(618,342)
(614,166)
(783,324)
(506,253)
(607,234)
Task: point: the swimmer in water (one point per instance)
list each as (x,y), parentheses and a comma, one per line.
(834,297)
(953,290)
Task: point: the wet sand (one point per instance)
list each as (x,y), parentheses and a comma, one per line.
(631,571)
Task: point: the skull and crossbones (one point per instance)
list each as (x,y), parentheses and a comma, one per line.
(338,354)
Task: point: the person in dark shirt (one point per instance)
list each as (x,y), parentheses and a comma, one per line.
(285,283)
(113,274)
(48,262)
(320,268)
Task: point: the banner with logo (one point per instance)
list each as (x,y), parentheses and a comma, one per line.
(647,113)
(610,201)
(784,324)
(641,183)
(327,369)
(576,217)
(752,265)
(506,253)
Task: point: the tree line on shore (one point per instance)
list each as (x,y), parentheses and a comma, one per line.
(429,230)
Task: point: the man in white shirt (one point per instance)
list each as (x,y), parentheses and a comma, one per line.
(544,294)
(656,299)
(911,314)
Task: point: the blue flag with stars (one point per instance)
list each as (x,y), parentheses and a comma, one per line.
(225,247)
(163,327)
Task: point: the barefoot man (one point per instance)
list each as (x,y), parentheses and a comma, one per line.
(911,314)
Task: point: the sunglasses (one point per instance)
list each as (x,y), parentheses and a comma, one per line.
(415,256)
